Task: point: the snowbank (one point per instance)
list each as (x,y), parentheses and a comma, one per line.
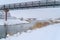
(51,32)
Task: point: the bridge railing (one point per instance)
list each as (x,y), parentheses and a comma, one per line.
(30,4)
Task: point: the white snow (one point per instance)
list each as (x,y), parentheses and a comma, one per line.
(39,13)
(51,32)
(12,21)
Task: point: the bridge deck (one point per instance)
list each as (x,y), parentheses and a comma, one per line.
(34,4)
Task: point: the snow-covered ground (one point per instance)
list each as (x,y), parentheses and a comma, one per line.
(51,32)
(39,13)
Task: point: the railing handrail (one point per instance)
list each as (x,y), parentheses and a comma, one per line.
(30,5)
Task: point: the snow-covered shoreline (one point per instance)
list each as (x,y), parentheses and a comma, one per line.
(51,32)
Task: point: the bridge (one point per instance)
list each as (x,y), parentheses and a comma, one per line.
(33,4)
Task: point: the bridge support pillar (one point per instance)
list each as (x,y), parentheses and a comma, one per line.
(5,20)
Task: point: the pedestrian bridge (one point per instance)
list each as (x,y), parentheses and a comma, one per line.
(33,4)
